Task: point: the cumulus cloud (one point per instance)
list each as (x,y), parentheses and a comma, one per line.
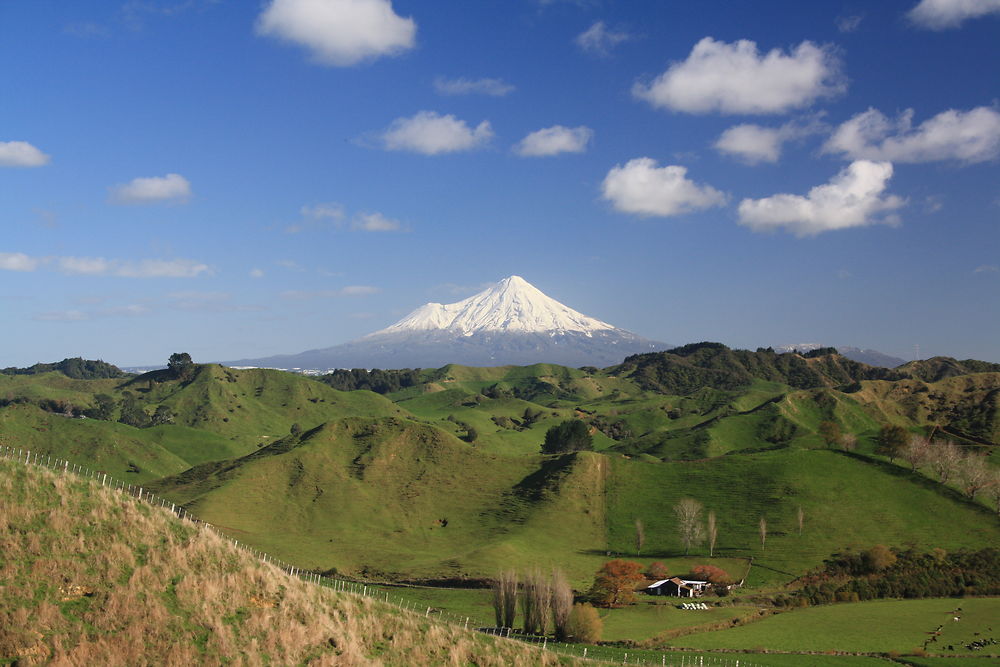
(852,198)
(21,154)
(753,144)
(256,273)
(317,216)
(554,140)
(600,40)
(736,78)
(172,187)
(643,188)
(18,261)
(987,268)
(375,222)
(967,136)
(463,86)
(339,32)
(942,14)
(431,133)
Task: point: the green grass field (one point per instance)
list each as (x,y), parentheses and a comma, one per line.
(875,626)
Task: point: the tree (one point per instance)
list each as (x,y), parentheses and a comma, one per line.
(571,435)
(916,451)
(712,574)
(890,441)
(762,529)
(130,412)
(657,571)
(562,604)
(640,536)
(945,459)
(689,526)
(614,584)
(163,415)
(180,365)
(505,598)
(880,557)
(800,516)
(536,598)
(830,432)
(713,534)
(585,625)
(848,442)
(994,489)
(104,408)
(973,474)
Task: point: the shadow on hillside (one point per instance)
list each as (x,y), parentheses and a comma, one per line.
(918,479)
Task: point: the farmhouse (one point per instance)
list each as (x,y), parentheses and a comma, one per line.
(677,587)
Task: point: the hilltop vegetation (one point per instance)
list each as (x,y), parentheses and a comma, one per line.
(93,577)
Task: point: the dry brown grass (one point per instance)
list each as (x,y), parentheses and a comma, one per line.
(90,576)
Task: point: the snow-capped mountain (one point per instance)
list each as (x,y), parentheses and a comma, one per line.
(512,305)
(510,323)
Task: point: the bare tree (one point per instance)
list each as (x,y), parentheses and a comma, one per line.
(973,474)
(562,604)
(848,442)
(536,601)
(762,526)
(945,459)
(800,516)
(689,526)
(713,534)
(640,536)
(505,598)
(916,451)
(994,489)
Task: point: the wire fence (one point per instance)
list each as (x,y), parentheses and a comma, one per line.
(595,653)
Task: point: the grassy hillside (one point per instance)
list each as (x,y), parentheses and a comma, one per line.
(93,577)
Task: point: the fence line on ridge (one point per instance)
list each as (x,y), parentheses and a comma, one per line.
(601,654)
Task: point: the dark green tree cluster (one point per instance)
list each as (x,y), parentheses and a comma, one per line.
(76,368)
(891,440)
(571,435)
(181,366)
(881,572)
(685,370)
(377,380)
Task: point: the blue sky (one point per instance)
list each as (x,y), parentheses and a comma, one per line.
(240,179)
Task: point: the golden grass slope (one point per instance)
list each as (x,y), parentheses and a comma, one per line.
(91,576)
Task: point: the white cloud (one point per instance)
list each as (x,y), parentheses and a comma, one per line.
(600,40)
(852,198)
(967,136)
(339,32)
(317,216)
(753,143)
(21,154)
(350,290)
(129,310)
(463,86)
(849,23)
(987,268)
(172,187)
(256,273)
(18,261)
(62,316)
(554,140)
(375,222)
(642,188)
(942,14)
(735,78)
(144,268)
(431,133)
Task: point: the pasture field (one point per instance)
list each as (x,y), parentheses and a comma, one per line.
(877,626)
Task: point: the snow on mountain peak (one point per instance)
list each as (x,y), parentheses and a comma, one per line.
(512,305)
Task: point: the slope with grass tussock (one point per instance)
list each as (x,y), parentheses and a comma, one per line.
(91,576)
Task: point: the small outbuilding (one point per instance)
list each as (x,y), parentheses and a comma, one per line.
(677,587)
